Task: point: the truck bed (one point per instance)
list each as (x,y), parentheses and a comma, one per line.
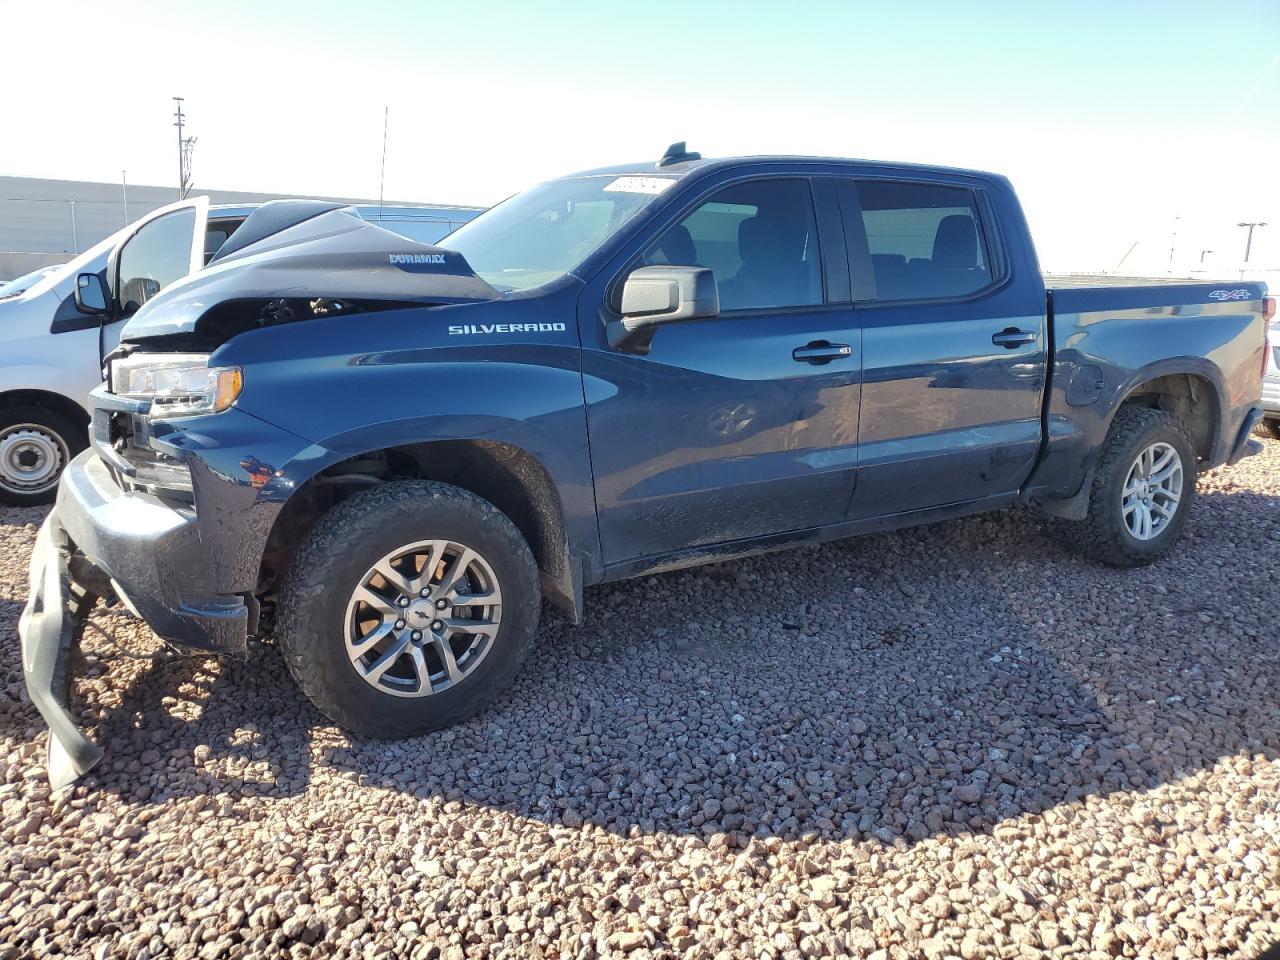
(1076,280)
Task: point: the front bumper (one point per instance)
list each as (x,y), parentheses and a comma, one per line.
(100,538)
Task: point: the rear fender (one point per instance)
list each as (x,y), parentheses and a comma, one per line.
(1076,432)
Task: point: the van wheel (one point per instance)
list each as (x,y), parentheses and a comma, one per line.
(36,443)
(1142,491)
(408,608)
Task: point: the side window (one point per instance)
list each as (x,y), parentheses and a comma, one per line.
(218,232)
(925,240)
(759,238)
(158,254)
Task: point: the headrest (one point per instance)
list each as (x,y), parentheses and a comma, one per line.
(676,246)
(955,245)
(758,241)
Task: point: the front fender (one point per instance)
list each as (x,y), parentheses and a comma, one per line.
(506,371)
(68,380)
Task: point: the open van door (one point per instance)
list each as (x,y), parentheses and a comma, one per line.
(164,246)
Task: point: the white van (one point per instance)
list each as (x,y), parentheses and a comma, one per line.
(51,350)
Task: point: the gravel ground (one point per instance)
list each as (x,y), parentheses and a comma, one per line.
(959,740)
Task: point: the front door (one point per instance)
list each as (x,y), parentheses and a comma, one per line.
(740,426)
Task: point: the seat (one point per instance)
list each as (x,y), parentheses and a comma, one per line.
(676,248)
(890,271)
(136,292)
(955,268)
(773,271)
(955,245)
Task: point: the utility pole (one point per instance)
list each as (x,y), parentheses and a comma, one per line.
(1173,241)
(75,234)
(182,160)
(1202,253)
(124,196)
(1248,243)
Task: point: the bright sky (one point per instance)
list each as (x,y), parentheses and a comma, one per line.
(1111,118)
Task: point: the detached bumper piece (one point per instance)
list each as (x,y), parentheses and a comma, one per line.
(50,628)
(101,541)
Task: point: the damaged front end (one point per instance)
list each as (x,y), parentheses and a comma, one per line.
(50,628)
(171,507)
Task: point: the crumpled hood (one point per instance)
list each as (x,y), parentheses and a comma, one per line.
(333,255)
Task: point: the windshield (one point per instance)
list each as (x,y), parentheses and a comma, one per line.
(19,284)
(544,233)
(91,261)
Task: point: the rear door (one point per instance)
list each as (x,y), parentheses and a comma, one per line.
(166,245)
(954,343)
(740,426)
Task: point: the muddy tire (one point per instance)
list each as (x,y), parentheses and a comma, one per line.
(1142,491)
(408,608)
(36,444)
(1267,428)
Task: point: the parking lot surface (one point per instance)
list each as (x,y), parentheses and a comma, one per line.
(960,740)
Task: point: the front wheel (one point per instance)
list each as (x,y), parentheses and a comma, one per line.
(1142,491)
(36,443)
(408,608)
(1267,427)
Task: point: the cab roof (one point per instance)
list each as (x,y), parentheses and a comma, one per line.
(679,162)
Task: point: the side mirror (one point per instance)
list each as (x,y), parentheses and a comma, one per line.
(652,296)
(91,294)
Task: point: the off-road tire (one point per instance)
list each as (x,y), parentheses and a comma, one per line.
(340,550)
(1103,534)
(1268,428)
(74,439)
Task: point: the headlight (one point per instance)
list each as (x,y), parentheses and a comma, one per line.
(177,384)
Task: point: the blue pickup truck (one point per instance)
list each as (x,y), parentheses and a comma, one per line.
(384,455)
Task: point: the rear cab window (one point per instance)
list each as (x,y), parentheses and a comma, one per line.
(925,241)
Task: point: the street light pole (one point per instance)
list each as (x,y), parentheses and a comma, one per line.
(1248,243)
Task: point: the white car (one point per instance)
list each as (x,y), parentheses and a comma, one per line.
(1270,424)
(52,342)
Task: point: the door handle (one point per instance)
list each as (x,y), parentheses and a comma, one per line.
(1011,337)
(820,351)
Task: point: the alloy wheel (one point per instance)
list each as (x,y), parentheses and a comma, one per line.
(1152,491)
(423,618)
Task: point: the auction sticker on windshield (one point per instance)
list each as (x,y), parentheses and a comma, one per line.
(653,185)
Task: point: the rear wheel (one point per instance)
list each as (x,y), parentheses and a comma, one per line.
(408,608)
(36,443)
(1142,491)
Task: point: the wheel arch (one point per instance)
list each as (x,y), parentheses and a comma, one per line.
(508,476)
(1190,388)
(57,402)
